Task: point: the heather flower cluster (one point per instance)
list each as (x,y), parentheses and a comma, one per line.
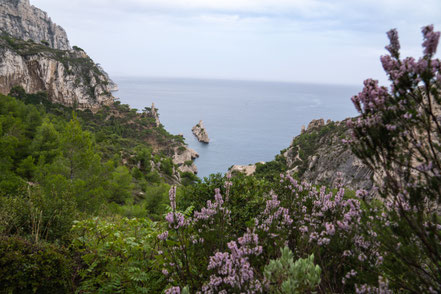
(398,135)
(232,270)
(175,219)
(330,223)
(274,223)
(192,238)
(377,241)
(206,214)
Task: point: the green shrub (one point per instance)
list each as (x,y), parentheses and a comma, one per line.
(188,178)
(34,268)
(76,48)
(167,166)
(288,277)
(118,255)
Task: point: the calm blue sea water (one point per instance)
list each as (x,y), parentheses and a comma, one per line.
(246,121)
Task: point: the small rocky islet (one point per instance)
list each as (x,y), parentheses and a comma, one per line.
(200,132)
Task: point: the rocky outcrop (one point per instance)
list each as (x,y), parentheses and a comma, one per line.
(200,132)
(70,77)
(35,54)
(319,156)
(245,169)
(153,112)
(316,124)
(23,21)
(183,157)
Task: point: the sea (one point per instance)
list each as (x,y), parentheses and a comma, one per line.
(246,121)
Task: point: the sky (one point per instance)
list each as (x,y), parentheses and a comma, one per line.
(313,41)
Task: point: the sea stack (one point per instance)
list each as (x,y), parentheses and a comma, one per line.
(154,114)
(200,132)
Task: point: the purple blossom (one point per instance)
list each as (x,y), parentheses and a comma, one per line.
(173,290)
(175,220)
(330,229)
(394,46)
(431,40)
(172,197)
(233,269)
(163,236)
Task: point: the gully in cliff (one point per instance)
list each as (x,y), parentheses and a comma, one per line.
(200,132)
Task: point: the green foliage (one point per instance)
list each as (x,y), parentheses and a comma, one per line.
(271,170)
(34,268)
(76,48)
(167,166)
(188,178)
(117,255)
(245,200)
(288,277)
(120,186)
(38,215)
(156,200)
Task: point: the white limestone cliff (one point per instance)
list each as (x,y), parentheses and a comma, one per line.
(23,21)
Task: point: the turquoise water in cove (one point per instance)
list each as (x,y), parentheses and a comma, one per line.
(247,121)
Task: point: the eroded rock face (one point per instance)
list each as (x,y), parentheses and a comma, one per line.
(245,169)
(319,156)
(316,124)
(155,115)
(183,157)
(328,158)
(35,54)
(200,132)
(23,21)
(70,78)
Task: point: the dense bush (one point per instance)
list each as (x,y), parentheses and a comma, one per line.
(31,268)
(398,135)
(118,256)
(308,219)
(285,276)
(38,215)
(269,233)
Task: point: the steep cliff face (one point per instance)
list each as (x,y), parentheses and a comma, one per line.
(183,157)
(23,21)
(319,156)
(35,54)
(70,77)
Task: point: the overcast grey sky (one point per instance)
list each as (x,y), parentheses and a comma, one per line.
(318,41)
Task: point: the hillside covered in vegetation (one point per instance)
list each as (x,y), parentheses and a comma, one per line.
(100,201)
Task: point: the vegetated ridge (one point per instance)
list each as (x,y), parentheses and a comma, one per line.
(35,55)
(320,156)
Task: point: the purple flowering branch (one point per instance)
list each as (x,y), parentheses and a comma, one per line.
(398,135)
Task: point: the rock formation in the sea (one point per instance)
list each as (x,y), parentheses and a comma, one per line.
(183,158)
(200,132)
(35,54)
(23,21)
